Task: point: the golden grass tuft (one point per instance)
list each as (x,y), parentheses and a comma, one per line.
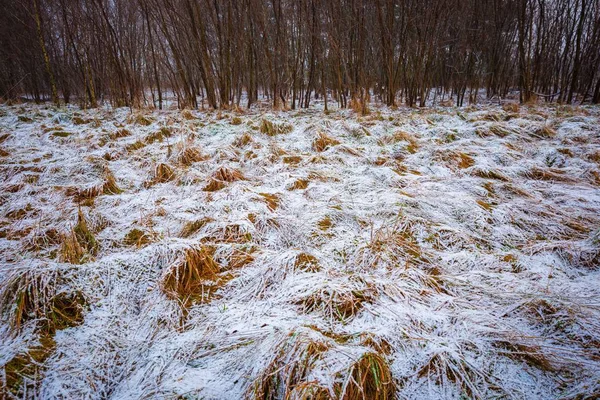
(325,223)
(163,173)
(489,174)
(322,142)
(159,135)
(31,296)
(511,107)
(110,183)
(307,262)
(191,227)
(138,144)
(79,242)
(137,238)
(190,155)
(369,378)
(286,374)
(236,121)
(225,174)
(549,174)
(309,391)
(531,354)
(272,128)
(401,136)
(337,303)
(291,159)
(272,200)
(243,140)
(24,369)
(445,367)
(546,131)
(214,185)
(192,277)
(299,184)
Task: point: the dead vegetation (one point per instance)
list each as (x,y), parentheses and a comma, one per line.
(78,245)
(369,378)
(271,128)
(192,277)
(323,141)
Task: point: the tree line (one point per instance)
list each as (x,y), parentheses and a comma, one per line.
(228,53)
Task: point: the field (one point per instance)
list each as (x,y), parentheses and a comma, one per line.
(440,253)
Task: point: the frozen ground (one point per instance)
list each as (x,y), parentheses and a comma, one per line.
(412,254)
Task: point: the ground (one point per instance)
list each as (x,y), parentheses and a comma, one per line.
(419,254)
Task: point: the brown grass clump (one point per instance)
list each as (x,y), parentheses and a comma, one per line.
(489,174)
(401,136)
(322,142)
(190,155)
(71,251)
(140,119)
(485,205)
(163,173)
(137,238)
(337,304)
(110,183)
(532,354)
(286,374)
(309,391)
(228,175)
(369,378)
(236,121)
(445,367)
(271,128)
(241,256)
(159,135)
(192,277)
(291,159)
(325,223)
(119,133)
(546,131)
(307,262)
(78,243)
(24,369)
(299,184)
(550,174)
(511,107)
(243,140)
(271,199)
(31,296)
(135,146)
(192,227)
(214,185)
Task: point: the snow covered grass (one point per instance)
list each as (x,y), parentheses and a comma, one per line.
(437,253)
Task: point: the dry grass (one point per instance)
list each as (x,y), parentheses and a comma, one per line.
(445,368)
(137,238)
(272,200)
(23,370)
(294,357)
(369,378)
(299,184)
(243,140)
(307,262)
(79,244)
(159,135)
(489,174)
(322,142)
(291,159)
(225,174)
(511,107)
(401,136)
(192,227)
(546,131)
(272,128)
(163,173)
(338,303)
(189,155)
(236,121)
(192,277)
(549,174)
